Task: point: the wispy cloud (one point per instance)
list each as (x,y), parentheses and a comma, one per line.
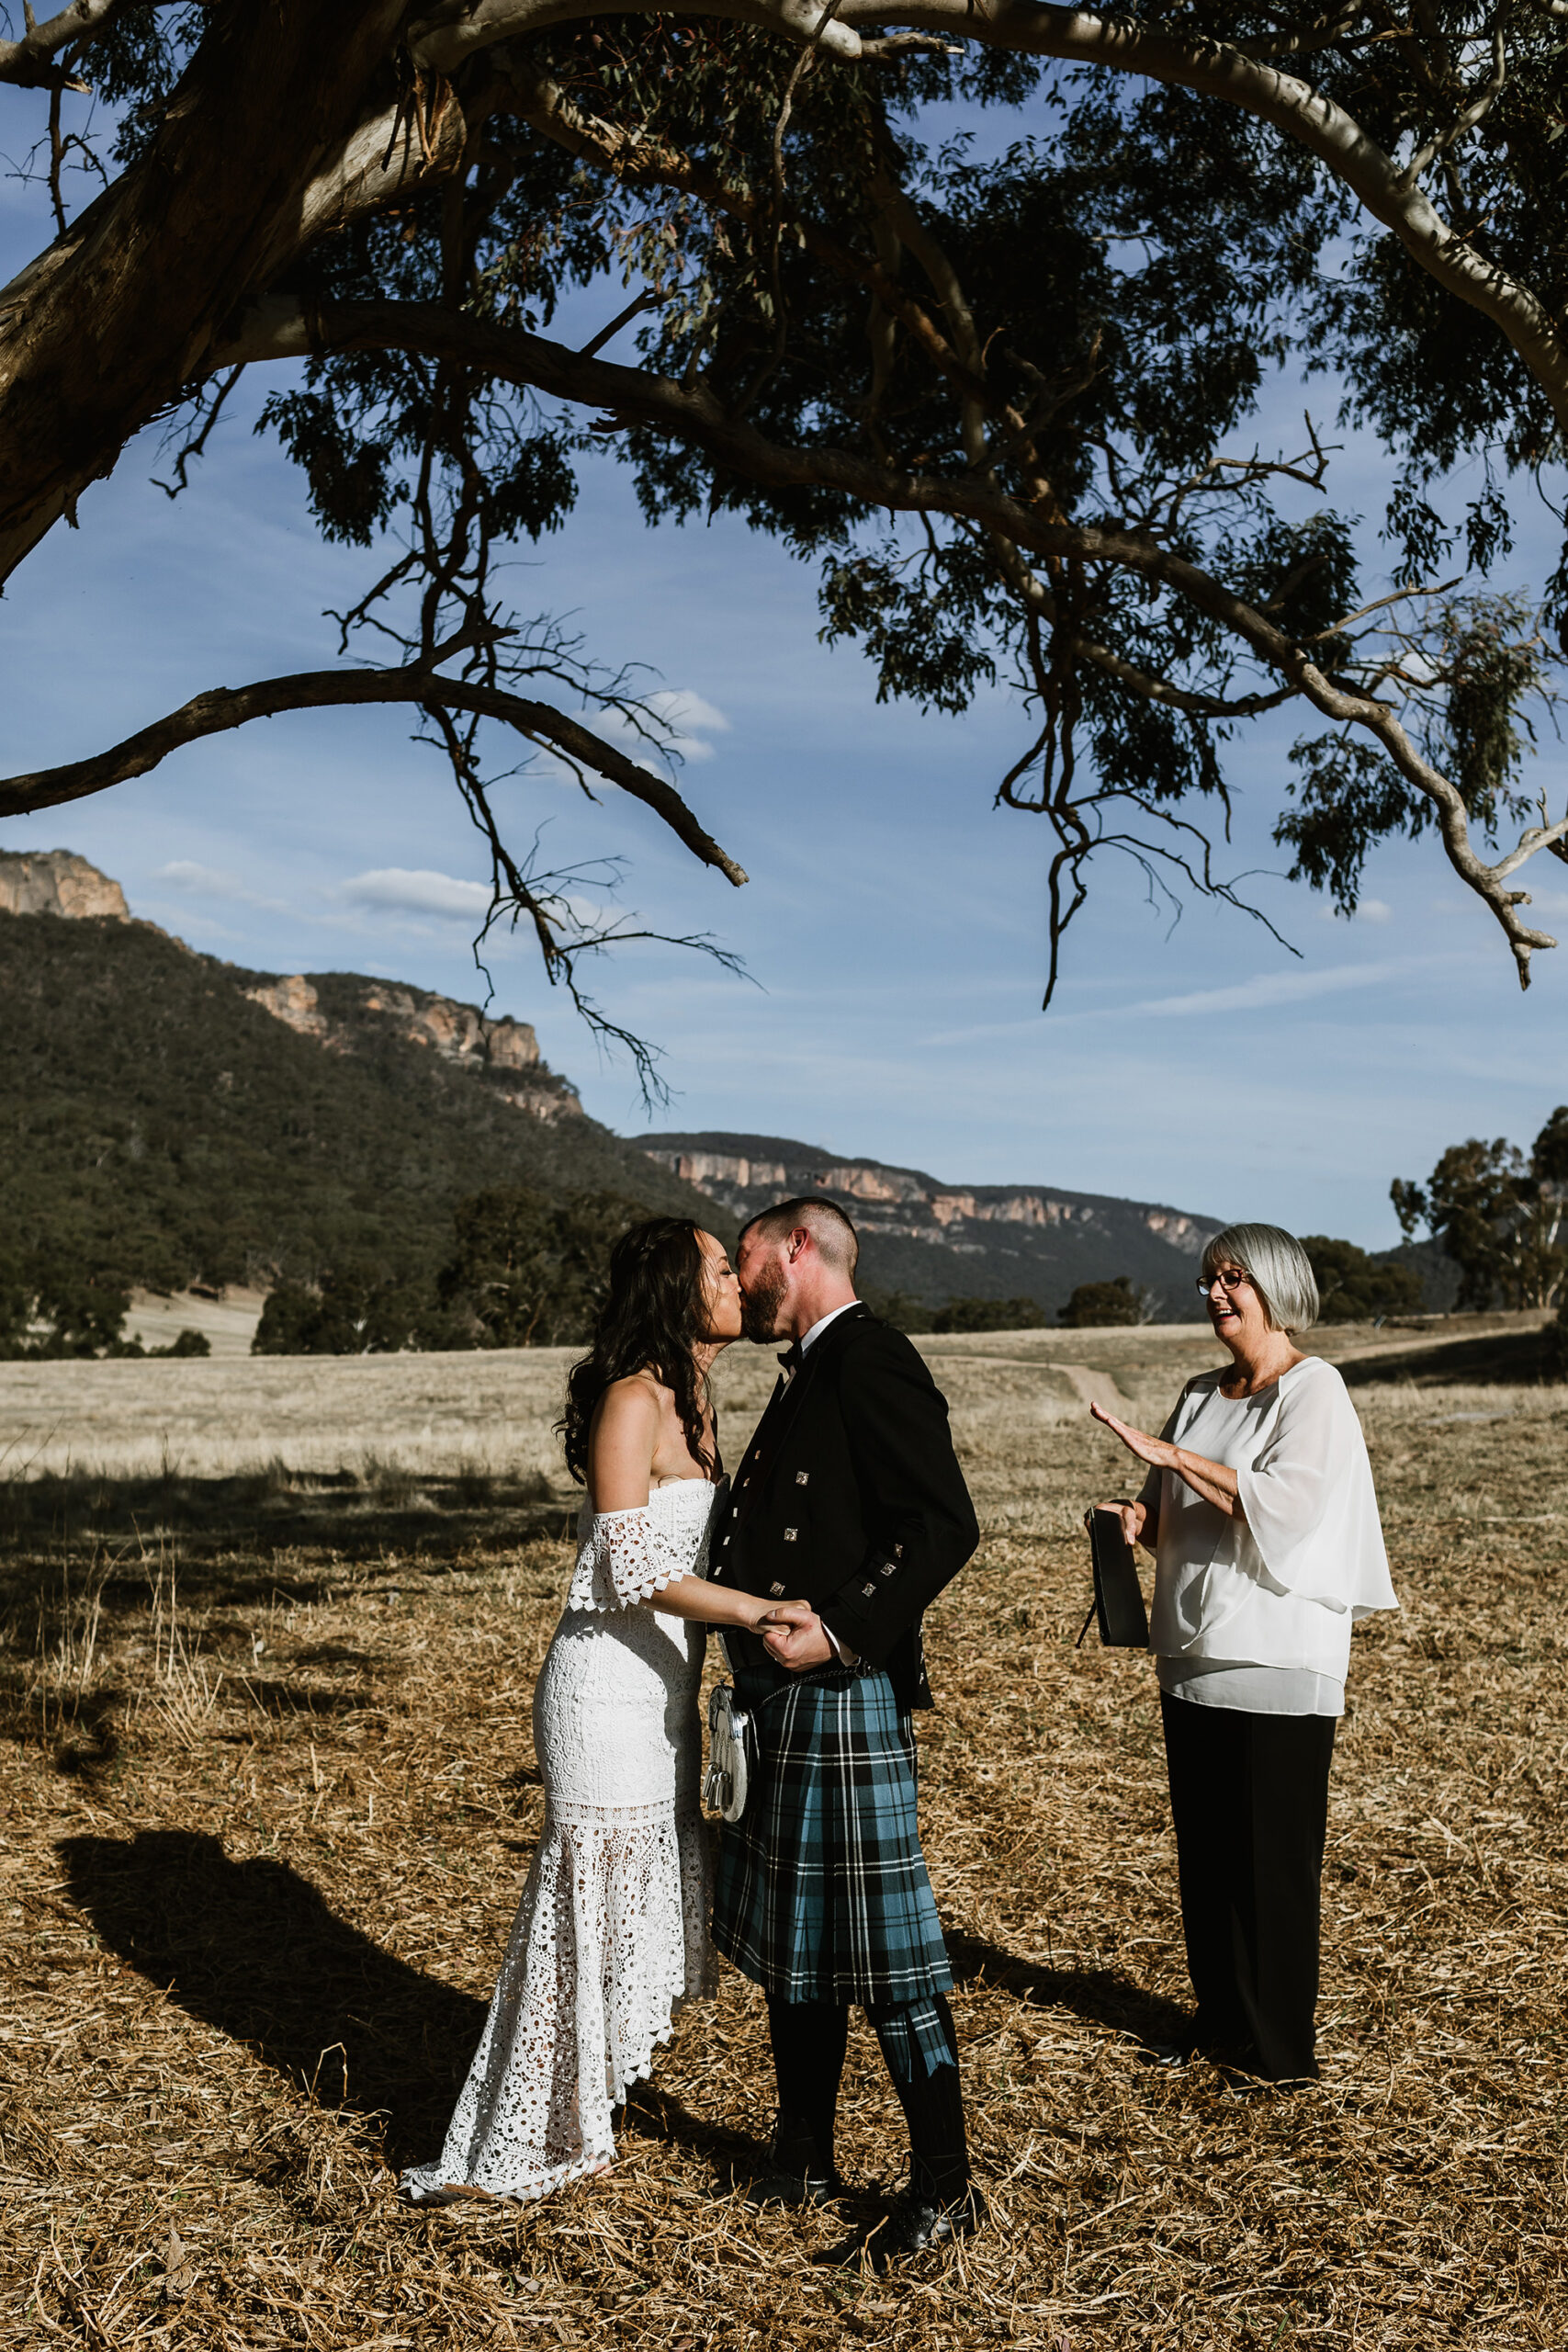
(1258,994)
(418,890)
(688,719)
(209,882)
(1264,989)
(1369,910)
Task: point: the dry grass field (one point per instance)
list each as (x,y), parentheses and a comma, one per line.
(271,1630)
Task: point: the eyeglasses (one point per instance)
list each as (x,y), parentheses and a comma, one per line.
(1231,1282)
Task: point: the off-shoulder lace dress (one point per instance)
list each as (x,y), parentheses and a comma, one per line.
(611,1935)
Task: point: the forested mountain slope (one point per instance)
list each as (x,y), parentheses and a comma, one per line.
(178,1119)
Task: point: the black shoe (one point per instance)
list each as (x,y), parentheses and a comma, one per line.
(917,2220)
(785,2181)
(1166,2053)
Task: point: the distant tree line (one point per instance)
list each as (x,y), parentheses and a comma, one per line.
(524,1271)
(1354,1288)
(53,1305)
(1498,1213)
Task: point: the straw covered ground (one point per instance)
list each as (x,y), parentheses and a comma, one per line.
(270,1794)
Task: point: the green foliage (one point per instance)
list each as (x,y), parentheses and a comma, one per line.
(1347,800)
(157,1123)
(1354,1288)
(1114,284)
(530,1272)
(1094,1306)
(52,1305)
(354,1310)
(993,1314)
(185,1343)
(1498,1213)
(524,1271)
(899,1307)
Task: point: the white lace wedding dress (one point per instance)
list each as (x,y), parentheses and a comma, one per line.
(611,1935)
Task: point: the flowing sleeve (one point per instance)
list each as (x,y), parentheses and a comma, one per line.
(625,1557)
(1309,1503)
(1151,1493)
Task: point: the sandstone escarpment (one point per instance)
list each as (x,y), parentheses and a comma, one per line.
(934,1239)
(58,882)
(346,1012)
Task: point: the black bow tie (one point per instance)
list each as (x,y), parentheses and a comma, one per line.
(791,1360)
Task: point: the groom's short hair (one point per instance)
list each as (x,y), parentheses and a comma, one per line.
(838,1244)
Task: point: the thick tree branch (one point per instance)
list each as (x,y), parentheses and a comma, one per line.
(1216,69)
(1123,45)
(30,61)
(104,329)
(644,161)
(230,706)
(691,413)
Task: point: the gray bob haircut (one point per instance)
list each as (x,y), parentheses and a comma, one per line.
(1280,1271)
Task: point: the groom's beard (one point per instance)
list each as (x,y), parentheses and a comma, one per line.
(760,1306)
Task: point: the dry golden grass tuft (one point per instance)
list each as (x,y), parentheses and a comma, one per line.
(270,1794)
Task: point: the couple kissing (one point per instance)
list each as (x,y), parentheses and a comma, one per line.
(846,1518)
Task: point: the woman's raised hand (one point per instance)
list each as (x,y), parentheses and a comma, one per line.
(1148,1449)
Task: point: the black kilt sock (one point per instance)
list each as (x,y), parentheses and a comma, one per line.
(808,2039)
(932,2103)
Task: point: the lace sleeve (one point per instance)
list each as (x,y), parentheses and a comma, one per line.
(625,1557)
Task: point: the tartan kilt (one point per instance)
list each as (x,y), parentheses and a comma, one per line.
(821,1891)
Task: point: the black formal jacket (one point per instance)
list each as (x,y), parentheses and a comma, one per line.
(850,1497)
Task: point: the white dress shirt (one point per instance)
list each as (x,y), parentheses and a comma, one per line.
(808,1338)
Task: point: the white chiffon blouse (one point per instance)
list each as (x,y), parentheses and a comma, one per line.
(1283,1587)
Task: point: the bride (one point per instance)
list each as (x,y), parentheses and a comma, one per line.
(611,1935)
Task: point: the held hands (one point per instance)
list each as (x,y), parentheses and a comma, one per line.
(793,1633)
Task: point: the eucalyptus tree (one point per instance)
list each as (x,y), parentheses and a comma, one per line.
(997,394)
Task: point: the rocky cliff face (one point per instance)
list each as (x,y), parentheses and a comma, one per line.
(341,1011)
(938,1241)
(505,1052)
(503,1048)
(58,882)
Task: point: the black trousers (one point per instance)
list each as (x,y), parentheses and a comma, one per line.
(1250,1800)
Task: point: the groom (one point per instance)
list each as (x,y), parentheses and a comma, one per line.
(851,1499)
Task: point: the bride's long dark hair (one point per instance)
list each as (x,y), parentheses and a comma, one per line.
(655,1316)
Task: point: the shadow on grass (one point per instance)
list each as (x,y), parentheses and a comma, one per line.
(255,1950)
(1505,1360)
(1099,1995)
(279,1509)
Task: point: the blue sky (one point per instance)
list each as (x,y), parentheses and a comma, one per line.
(892,928)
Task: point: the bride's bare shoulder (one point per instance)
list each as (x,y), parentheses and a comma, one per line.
(634,1402)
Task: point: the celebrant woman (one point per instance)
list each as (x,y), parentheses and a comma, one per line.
(611,1935)
(1259,1509)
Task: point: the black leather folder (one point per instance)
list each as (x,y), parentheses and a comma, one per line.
(1118,1595)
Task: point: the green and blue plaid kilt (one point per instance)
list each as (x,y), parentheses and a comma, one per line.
(822,1893)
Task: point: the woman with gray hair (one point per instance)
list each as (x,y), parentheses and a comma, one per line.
(1259,1509)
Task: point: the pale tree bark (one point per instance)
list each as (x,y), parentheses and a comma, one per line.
(690,412)
(300,114)
(272,138)
(107,325)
